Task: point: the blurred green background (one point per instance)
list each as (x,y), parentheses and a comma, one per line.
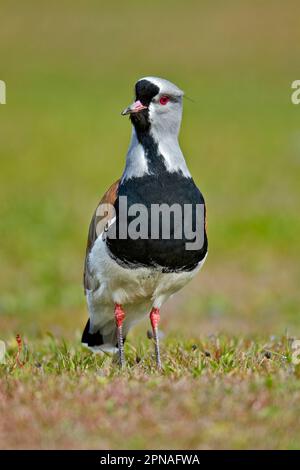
(70,68)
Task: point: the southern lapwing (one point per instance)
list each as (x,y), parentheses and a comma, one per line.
(133,266)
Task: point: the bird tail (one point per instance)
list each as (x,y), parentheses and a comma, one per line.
(102,340)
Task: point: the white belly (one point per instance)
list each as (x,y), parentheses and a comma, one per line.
(129,286)
(137,290)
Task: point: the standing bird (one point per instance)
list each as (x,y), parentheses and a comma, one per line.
(127,276)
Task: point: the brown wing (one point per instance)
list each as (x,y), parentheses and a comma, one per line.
(102,216)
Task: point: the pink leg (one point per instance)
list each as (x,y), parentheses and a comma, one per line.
(154,318)
(119,316)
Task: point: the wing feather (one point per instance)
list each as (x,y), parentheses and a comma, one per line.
(102,216)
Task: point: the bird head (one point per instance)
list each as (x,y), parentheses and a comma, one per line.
(157,105)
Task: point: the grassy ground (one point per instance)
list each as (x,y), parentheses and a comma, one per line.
(69,70)
(224,392)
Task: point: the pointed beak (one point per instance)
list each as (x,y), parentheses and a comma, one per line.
(135,107)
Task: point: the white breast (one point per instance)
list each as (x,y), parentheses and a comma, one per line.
(118,284)
(137,290)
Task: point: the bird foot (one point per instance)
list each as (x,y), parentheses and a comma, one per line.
(119,317)
(155,318)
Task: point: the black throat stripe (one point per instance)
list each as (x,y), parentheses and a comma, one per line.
(145,92)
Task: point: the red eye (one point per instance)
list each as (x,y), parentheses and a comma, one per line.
(164,100)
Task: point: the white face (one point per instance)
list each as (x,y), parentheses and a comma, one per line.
(155,113)
(165,108)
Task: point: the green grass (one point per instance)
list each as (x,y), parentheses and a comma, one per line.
(69,70)
(222,392)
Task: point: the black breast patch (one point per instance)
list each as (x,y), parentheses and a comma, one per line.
(169,255)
